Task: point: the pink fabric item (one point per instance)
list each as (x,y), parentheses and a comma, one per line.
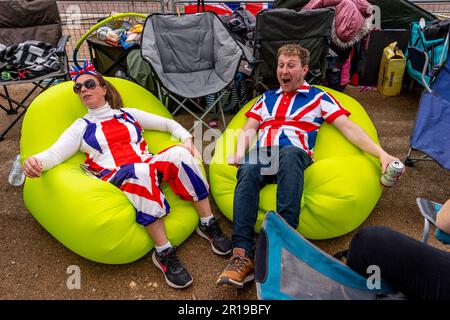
(350,15)
(345,71)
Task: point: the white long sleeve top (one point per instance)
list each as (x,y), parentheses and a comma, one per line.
(71,139)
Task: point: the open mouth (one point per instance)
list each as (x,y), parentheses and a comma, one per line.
(285,81)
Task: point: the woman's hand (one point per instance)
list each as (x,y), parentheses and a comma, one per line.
(32,167)
(189,144)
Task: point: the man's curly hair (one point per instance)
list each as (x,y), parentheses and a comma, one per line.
(292,49)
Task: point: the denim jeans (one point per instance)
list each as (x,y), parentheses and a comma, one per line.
(286,168)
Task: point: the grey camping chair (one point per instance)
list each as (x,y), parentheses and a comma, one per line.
(192,56)
(32,50)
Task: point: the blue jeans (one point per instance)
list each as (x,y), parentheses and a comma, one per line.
(287,170)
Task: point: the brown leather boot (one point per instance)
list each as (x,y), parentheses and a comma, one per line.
(239,270)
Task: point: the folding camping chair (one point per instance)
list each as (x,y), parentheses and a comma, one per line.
(22,21)
(431,134)
(275,27)
(429,210)
(289,267)
(426,55)
(108,59)
(192,56)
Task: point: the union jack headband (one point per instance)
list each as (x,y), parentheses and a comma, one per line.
(88,68)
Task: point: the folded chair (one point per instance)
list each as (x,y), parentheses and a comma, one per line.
(275,27)
(31,36)
(192,56)
(427,50)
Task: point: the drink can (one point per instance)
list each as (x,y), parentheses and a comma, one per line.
(393,172)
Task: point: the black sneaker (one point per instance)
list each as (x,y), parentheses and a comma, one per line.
(175,273)
(220,243)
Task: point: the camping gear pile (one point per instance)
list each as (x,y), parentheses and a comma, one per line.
(114,44)
(126,35)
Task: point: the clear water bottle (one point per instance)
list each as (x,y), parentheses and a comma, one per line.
(16,176)
(120,73)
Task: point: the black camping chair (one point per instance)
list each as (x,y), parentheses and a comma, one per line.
(108,59)
(29,23)
(276,27)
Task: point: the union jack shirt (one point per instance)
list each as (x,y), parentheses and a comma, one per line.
(294,118)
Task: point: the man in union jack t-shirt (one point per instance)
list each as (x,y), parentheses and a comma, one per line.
(286,121)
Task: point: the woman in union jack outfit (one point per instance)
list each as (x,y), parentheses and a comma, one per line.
(111,138)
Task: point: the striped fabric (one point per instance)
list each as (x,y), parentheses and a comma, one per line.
(87,68)
(227,8)
(116,152)
(30,55)
(294,118)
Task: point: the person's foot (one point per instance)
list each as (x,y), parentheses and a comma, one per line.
(175,273)
(220,243)
(238,272)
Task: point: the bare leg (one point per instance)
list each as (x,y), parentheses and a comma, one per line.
(203,208)
(157,232)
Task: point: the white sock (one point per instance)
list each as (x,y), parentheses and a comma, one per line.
(163,247)
(205,221)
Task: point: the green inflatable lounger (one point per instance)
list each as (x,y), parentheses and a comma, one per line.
(341,188)
(91,217)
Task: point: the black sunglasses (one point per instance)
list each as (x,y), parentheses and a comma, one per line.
(89,84)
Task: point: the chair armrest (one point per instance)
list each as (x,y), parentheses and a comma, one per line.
(442,236)
(61,46)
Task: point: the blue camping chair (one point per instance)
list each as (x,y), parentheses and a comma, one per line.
(289,267)
(429,210)
(431,133)
(427,52)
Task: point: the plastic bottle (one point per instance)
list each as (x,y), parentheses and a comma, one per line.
(16,176)
(120,74)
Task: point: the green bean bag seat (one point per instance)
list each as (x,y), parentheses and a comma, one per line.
(91,217)
(341,188)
